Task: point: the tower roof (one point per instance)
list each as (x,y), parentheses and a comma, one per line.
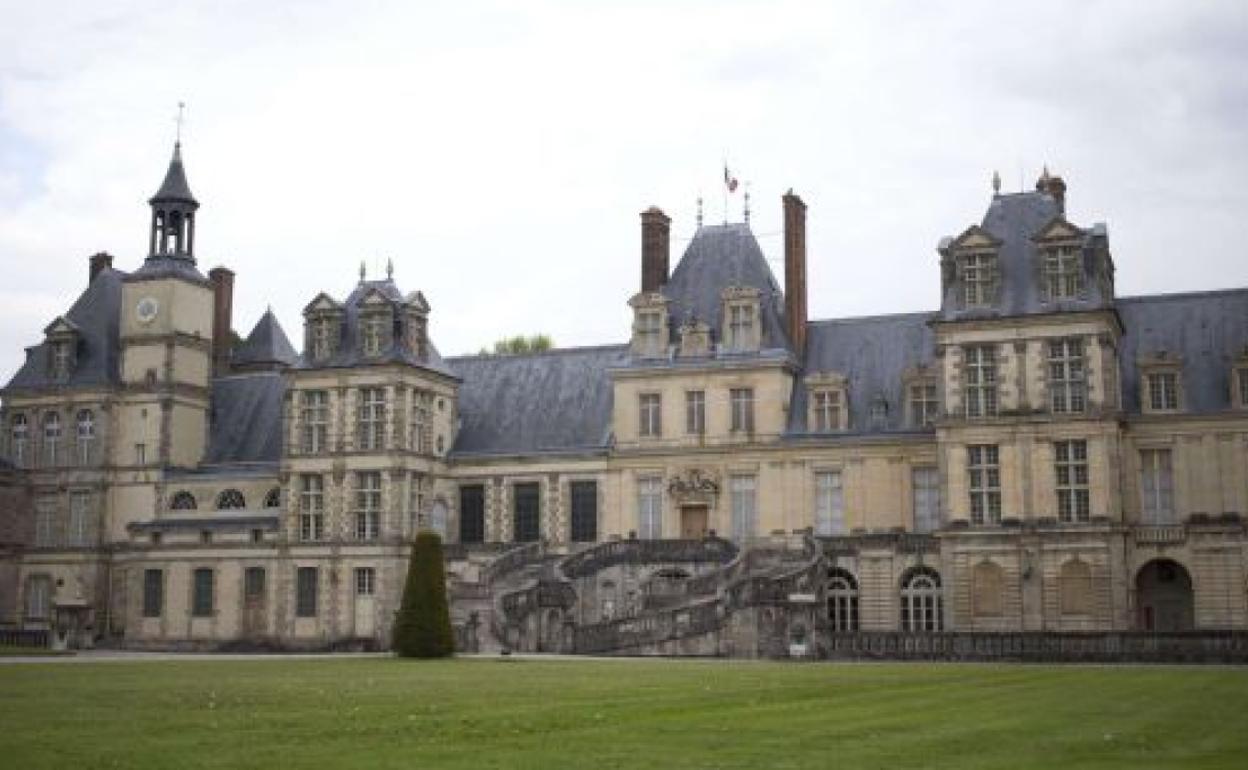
(267,345)
(175,187)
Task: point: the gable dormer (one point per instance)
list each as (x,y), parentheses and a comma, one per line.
(416,325)
(695,338)
(650,325)
(376,324)
(971,266)
(322,328)
(741,326)
(62,338)
(1060,267)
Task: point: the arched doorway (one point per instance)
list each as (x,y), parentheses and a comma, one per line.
(1163,597)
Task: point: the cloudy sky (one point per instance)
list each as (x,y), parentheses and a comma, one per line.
(500,153)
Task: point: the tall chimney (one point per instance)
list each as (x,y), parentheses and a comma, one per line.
(655,229)
(222,317)
(99,263)
(795,271)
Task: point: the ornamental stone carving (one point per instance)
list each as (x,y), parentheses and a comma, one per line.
(694,486)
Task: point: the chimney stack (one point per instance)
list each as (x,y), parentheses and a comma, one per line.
(222,317)
(99,263)
(795,271)
(656,228)
(1055,187)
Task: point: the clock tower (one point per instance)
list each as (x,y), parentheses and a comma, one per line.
(166,339)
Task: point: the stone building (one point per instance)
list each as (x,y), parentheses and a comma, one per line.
(1036,455)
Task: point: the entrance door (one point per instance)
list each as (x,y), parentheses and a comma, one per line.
(255,608)
(693,520)
(365,609)
(1163,597)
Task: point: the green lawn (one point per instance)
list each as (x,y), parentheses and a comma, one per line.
(382,713)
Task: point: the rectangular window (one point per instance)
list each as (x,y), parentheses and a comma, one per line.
(38,597)
(1062,274)
(827,410)
(153,593)
(650,508)
(311,507)
(829,504)
(584,511)
(367,505)
(980,373)
(924,404)
(140,454)
(526,515)
(649,411)
(372,418)
(926,490)
(418,434)
(315,417)
(86,437)
(20,432)
(80,524)
(1066,376)
(740,327)
(365,581)
(1071,465)
(60,360)
(650,333)
(1241,375)
(253,585)
(323,342)
(372,332)
(1163,391)
(1156,487)
(984,468)
(742,400)
(744,518)
(45,521)
(978,278)
(306,579)
(695,412)
(201,600)
(472,514)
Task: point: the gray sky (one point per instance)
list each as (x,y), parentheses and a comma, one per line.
(501,152)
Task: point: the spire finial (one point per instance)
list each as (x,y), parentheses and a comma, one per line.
(699,211)
(390,269)
(181,117)
(747,203)
(996,183)
(361,271)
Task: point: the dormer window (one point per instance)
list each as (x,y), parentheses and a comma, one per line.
(828,403)
(322,328)
(923,401)
(879,413)
(62,342)
(649,325)
(979,278)
(741,319)
(1161,383)
(373,334)
(1063,274)
(61,360)
(649,331)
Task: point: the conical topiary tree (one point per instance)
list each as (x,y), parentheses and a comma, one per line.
(423,626)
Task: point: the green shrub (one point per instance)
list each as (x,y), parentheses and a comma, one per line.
(423,626)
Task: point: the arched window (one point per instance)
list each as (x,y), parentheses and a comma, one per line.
(842,600)
(921,604)
(20,431)
(86,436)
(274,498)
(988,586)
(183,501)
(230,499)
(1075,587)
(52,438)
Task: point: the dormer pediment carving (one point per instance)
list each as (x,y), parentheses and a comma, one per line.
(61,327)
(695,338)
(417,303)
(322,303)
(1058,230)
(375,300)
(974,238)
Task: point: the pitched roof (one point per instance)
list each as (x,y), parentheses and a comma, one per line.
(97,315)
(266,345)
(557,401)
(246,419)
(175,186)
(720,256)
(873,354)
(1206,330)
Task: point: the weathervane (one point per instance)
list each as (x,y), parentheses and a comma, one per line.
(361,271)
(699,211)
(747,203)
(389,269)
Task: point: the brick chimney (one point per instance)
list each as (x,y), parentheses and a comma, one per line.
(655,231)
(99,263)
(795,271)
(222,317)
(1055,187)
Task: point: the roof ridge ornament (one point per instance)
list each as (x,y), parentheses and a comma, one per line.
(996,183)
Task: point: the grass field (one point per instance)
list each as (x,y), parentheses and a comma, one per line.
(383,713)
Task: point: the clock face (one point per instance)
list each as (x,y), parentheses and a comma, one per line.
(146,310)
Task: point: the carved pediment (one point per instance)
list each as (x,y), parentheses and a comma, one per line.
(61,327)
(648,299)
(974,238)
(1058,229)
(694,485)
(322,303)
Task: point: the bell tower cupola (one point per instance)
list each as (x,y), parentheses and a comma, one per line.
(173,214)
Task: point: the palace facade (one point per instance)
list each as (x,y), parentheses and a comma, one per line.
(1036,455)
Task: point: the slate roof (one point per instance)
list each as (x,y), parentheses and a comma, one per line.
(267,345)
(348,353)
(873,353)
(720,256)
(166,266)
(97,314)
(1207,330)
(558,401)
(175,186)
(1015,219)
(246,419)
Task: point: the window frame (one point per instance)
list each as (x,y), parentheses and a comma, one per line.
(649,507)
(526,511)
(307,592)
(741,404)
(314,414)
(843,601)
(367,508)
(1071,469)
(1066,366)
(153,592)
(926,516)
(583,511)
(472,523)
(979,376)
(1161,511)
(695,412)
(922,601)
(743,500)
(371,419)
(311,507)
(203,592)
(978,273)
(650,414)
(1062,270)
(983,465)
(830,503)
